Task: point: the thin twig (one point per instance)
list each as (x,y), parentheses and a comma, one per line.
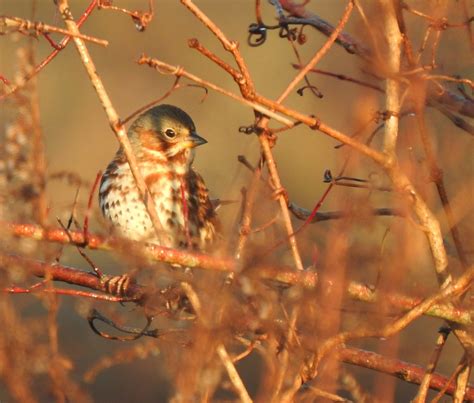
(306,279)
(233,374)
(115,123)
(437,177)
(51,56)
(68,292)
(140,18)
(425,383)
(304,214)
(281,198)
(342,77)
(166,68)
(264,106)
(320,53)
(451,381)
(244,80)
(33,28)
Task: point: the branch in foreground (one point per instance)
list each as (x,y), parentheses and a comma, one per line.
(306,279)
(139,294)
(406,371)
(155,252)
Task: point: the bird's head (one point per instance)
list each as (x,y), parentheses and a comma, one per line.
(166,132)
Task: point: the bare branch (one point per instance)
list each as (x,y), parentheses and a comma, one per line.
(115,123)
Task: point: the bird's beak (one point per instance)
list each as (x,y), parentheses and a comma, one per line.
(196,140)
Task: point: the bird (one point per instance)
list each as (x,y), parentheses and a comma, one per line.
(163,140)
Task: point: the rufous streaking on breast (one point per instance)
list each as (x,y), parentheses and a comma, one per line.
(163,140)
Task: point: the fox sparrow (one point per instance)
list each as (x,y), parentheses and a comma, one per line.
(163,140)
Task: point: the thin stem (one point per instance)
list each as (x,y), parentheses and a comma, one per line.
(115,123)
(178,71)
(437,177)
(244,81)
(15,24)
(426,381)
(50,57)
(282,200)
(266,107)
(321,52)
(233,374)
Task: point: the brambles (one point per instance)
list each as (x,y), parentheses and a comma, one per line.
(274,314)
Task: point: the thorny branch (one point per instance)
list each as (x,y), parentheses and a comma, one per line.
(12,24)
(444,304)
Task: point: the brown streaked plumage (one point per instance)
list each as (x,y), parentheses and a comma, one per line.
(163,140)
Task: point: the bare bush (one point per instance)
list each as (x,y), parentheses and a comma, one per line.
(359,110)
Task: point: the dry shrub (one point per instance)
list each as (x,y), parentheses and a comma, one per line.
(365,295)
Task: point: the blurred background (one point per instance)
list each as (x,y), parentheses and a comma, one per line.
(78,140)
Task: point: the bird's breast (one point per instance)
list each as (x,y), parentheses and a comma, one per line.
(176,204)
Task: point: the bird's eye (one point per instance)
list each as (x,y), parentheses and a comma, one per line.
(170,133)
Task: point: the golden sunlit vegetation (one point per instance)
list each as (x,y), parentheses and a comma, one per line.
(339,163)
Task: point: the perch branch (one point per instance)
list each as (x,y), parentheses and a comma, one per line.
(185,258)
